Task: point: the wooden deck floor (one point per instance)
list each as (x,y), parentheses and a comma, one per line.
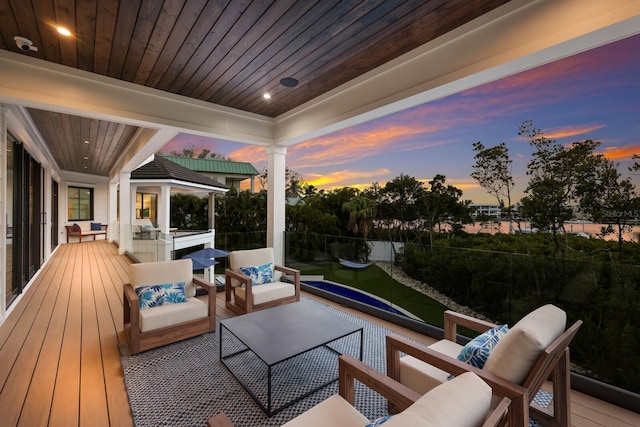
(59,360)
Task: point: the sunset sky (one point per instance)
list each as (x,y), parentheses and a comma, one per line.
(592,95)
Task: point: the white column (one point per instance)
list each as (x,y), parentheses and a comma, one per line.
(164,209)
(112,216)
(211,222)
(126,217)
(275,201)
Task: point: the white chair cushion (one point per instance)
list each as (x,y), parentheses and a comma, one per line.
(421,376)
(171,314)
(157,273)
(268,292)
(462,402)
(514,355)
(250,258)
(334,411)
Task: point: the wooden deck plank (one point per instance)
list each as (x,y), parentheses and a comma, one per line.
(107,305)
(94,306)
(35,411)
(13,319)
(19,324)
(602,413)
(93,402)
(17,384)
(66,395)
(116,268)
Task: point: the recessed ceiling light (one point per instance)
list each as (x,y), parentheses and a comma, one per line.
(288,82)
(86,142)
(266,96)
(86,158)
(63,31)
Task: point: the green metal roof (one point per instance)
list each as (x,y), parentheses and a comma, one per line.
(215,165)
(165,169)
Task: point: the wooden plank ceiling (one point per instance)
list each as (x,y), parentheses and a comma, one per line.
(228,52)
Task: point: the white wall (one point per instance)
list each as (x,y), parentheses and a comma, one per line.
(382,251)
(100,187)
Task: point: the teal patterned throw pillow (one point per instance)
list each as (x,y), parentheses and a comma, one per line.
(476,352)
(156,295)
(378,421)
(260,274)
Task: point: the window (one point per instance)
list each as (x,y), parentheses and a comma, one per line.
(80,203)
(146,204)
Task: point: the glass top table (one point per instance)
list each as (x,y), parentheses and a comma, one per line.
(252,346)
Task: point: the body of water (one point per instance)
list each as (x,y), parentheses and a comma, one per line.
(587,228)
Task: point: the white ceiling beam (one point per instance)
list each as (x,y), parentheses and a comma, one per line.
(31,82)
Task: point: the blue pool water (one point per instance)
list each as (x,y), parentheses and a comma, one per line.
(352,294)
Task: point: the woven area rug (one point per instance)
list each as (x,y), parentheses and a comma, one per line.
(183,384)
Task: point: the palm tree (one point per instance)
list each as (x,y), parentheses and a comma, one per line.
(361,210)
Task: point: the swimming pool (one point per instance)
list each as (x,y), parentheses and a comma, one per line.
(357,295)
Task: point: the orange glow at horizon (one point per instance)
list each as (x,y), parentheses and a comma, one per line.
(345,178)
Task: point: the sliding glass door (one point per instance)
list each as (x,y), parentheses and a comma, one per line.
(54,214)
(10,296)
(28,218)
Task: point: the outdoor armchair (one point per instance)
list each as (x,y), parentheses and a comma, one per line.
(531,352)
(463,402)
(253,281)
(157,312)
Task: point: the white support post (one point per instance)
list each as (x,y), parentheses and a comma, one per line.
(276,201)
(164,209)
(112,216)
(126,217)
(212,211)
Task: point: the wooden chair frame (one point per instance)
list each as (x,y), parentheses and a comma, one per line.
(351,369)
(142,341)
(552,363)
(246,305)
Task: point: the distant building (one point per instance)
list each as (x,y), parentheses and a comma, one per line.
(485,209)
(227,172)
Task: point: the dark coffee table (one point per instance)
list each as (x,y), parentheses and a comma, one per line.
(278,336)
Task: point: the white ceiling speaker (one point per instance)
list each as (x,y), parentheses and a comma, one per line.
(25,44)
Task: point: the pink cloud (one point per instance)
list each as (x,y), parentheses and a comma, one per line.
(571,131)
(249,153)
(622,153)
(347,146)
